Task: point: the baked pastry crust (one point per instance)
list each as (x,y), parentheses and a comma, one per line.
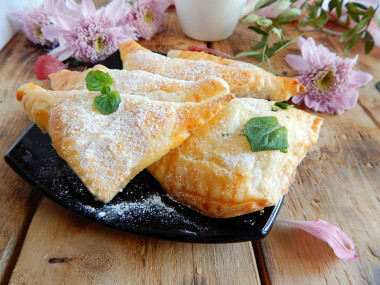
(107,151)
(241,81)
(216,173)
(276,88)
(145,83)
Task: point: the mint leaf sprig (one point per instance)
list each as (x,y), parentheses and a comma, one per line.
(108,101)
(265,133)
(311,15)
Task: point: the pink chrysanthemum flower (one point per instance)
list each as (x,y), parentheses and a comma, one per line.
(330,80)
(87,34)
(147,17)
(32,21)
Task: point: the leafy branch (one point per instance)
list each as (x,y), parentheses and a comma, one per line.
(312,15)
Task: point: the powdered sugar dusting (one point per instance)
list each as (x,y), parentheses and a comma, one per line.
(187,69)
(108,150)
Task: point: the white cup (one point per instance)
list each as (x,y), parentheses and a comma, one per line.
(208,20)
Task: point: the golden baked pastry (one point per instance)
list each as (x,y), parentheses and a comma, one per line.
(275,88)
(241,81)
(107,151)
(216,173)
(152,85)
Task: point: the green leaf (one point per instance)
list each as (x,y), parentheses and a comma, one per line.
(265,133)
(278,46)
(338,9)
(98,80)
(354,39)
(264,22)
(303,22)
(352,8)
(263,3)
(360,6)
(107,103)
(258,30)
(333,4)
(281,5)
(369,42)
(287,16)
(378,86)
(283,105)
(247,53)
(250,19)
(355,29)
(278,32)
(322,20)
(259,45)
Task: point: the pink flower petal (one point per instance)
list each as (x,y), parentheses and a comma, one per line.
(88,8)
(209,50)
(46,65)
(360,78)
(349,99)
(336,238)
(296,62)
(117,9)
(298,99)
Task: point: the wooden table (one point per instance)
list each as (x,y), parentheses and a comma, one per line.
(338,181)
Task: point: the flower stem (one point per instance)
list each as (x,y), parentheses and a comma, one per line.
(324,30)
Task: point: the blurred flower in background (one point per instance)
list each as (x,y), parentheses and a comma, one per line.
(87,34)
(147,17)
(32,22)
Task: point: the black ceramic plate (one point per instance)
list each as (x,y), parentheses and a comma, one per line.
(142,208)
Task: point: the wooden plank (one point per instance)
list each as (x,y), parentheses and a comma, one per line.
(337,181)
(17,202)
(83,251)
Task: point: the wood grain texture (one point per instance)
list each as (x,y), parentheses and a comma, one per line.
(338,181)
(17,202)
(62,248)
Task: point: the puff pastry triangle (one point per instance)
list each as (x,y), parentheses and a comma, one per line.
(107,151)
(136,57)
(216,173)
(140,82)
(275,88)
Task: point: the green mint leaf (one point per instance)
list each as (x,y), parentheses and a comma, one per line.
(265,133)
(283,105)
(107,103)
(378,86)
(98,81)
